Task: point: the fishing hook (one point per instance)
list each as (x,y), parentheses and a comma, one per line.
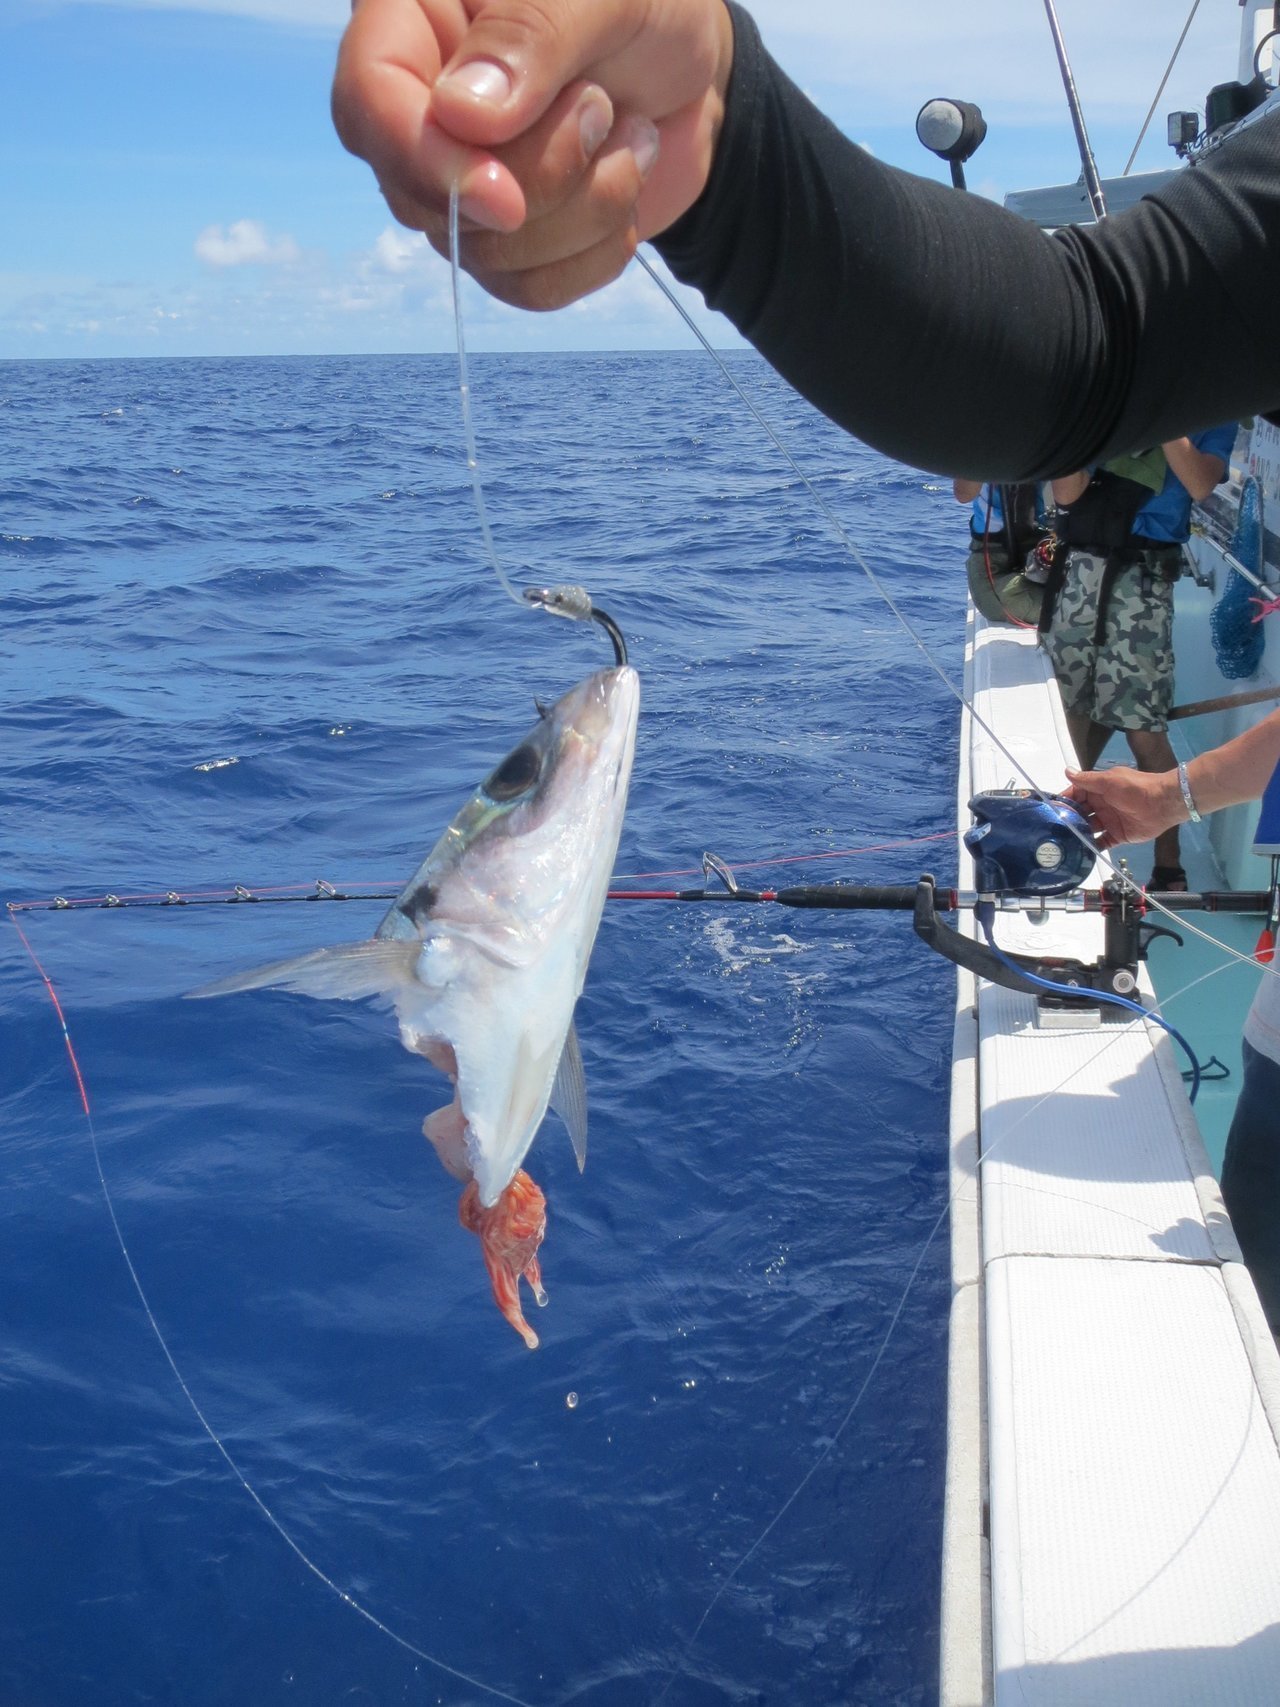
(575,603)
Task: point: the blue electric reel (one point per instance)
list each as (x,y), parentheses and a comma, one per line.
(1028,844)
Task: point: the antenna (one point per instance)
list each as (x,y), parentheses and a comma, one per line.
(1092,183)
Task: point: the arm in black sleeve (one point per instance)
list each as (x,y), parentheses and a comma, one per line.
(956,336)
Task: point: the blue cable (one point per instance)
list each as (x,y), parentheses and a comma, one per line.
(985,913)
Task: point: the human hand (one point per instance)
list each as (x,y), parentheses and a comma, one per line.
(573,128)
(1126,805)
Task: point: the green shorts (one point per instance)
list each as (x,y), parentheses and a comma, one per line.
(1126,682)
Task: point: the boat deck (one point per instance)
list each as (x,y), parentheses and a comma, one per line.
(1115,1391)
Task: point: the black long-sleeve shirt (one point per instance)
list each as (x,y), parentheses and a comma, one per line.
(958,337)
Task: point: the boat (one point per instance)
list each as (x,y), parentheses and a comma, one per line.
(1112,1511)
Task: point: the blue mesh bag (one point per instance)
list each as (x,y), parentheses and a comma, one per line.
(1238,638)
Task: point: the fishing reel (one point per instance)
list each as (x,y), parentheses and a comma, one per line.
(1028,848)
(1028,844)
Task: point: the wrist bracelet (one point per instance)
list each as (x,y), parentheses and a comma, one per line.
(1188,799)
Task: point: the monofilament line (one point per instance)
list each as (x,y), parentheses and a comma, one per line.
(210,1432)
(464,394)
(854,551)
(832,519)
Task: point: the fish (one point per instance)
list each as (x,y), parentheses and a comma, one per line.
(484,953)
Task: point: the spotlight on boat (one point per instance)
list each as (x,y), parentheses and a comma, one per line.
(953,130)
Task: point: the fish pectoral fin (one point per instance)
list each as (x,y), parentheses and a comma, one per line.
(569,1095)
(345,972)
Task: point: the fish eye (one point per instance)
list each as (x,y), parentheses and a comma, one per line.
(517,773)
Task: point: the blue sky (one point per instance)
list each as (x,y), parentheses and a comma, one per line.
(172,184)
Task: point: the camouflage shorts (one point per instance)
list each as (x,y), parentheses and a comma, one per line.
(1126,682)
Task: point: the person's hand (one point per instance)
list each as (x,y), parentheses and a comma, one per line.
(1126,805)
(573,128)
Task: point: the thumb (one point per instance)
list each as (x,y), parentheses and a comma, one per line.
(516,57)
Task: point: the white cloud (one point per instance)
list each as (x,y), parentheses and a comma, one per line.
(244,242)
(399,251)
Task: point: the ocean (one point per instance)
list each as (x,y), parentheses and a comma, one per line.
(248,635)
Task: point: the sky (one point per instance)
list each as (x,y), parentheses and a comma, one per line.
(170,183)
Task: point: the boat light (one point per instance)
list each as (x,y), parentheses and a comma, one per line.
(953,130)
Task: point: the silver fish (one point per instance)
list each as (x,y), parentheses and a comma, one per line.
(484,952)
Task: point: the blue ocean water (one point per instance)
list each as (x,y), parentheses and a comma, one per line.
(278,563)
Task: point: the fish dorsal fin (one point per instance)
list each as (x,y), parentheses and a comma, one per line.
(343,973)
(569,1095)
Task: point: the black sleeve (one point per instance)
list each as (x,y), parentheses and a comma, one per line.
(958,337)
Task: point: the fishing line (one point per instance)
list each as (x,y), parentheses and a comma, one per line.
(464,393)
(276,1524)
(210,1432)
(565,600)
(1125,1029)
(854,551)
(832,518)
(1187,1539)
(1155,99)
(789,859)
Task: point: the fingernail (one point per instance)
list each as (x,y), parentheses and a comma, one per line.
(471,207)
(482,79)
(641,138)
(476,213)
(595,120)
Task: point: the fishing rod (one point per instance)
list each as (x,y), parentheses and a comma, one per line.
(1088,165)
(1031,857)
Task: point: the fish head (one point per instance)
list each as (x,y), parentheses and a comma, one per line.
(525,843)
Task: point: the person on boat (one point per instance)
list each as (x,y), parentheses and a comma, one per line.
(1008,565)
(573,132)
(1127,805)
(1108,616)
